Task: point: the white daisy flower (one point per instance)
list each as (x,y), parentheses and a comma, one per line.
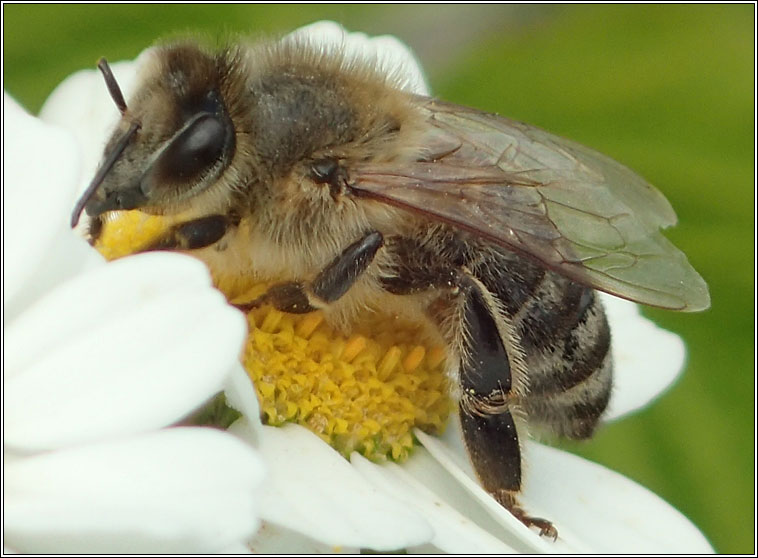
(98,360)
(315,501)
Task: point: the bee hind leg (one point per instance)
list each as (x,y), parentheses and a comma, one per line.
(488,426)
(300,297)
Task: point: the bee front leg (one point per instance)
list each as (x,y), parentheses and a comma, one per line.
(195,234)
(300,297)
(488,427)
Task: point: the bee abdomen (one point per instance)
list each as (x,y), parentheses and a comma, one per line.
(573,413)
(564,335)
(569,367)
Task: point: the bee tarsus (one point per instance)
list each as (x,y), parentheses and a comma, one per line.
(546,528)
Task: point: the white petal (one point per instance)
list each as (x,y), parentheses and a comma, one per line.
(311,489)
(236,548)
(600,511)
(391,56)
(241,396)
(40,175)
(141,367)
(594,509)
(273,539)
(178,490)
(647,360)
(427,470)
(454,533)
(396,59)
(85,303)
(510,529)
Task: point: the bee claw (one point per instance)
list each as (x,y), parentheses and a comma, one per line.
(547,529)
(507,499)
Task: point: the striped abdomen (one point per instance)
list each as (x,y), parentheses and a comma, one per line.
(561,328)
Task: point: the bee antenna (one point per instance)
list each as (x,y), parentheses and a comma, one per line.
(102,173)
(112,85)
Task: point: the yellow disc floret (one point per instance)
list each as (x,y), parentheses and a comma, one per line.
(362,391)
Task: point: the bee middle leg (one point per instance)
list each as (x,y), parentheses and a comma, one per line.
(300,297)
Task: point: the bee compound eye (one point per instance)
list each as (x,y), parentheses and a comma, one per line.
(196,149)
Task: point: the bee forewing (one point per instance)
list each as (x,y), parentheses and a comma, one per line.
(580,213)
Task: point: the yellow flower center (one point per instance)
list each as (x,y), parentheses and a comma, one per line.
(363,391)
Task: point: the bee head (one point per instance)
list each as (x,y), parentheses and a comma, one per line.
(174,140)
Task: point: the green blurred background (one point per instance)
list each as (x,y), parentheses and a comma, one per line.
(668,90)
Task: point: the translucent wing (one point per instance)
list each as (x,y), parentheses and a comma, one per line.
(580,213)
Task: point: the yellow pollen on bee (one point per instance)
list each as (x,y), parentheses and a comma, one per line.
(127,232)
(362,391)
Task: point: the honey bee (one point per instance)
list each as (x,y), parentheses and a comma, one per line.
(360,195)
